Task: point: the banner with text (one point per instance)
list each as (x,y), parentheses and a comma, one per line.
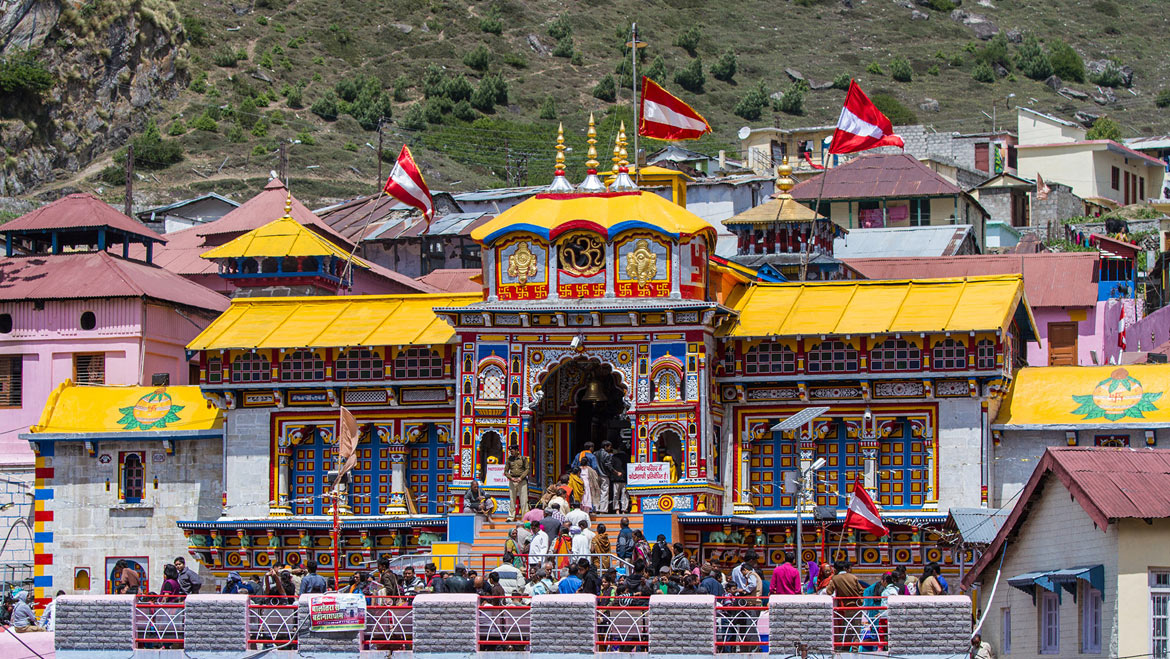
(648,473)
(495,476)
(337,612)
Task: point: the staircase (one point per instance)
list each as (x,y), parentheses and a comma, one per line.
(489,544)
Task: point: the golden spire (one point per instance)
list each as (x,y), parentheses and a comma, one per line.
(625,163)
(591,182)
(617,153)
(560,183)
(784,181)
(288,205)
(622,181)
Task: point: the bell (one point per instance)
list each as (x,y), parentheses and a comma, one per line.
(594,392)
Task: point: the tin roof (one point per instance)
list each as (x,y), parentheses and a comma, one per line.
(1078,397)
(73,409)
(893,175)
(78,211)
(453,280)
(940,240)
(278,238)
(262,209)
(977,526)
(148,213)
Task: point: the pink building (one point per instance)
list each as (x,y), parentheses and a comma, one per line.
(73,307)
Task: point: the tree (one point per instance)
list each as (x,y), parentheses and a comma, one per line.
(492,91)
(1162,100)
(792,101)
(325,107)
(752,105)
(983,72)
(371,105)
(564,47)
(842,82)
(1032,61)
(688,40)
(457,89)
(1109,77)
(691,77)
(1066,63)
(995,52)
(724,68)
(151,151)
(657,70)
(415,118)
(560,28)
(433,81)
(478,59)
(548,108)
(900,70)
(1104,129)
(606,89)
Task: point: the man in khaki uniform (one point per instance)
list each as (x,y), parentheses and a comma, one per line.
(517,469)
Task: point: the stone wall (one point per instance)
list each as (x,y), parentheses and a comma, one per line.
(248,437)
(682,624)
(445,624)
(312,643)
(564,625)
(216,623)
(104,622)
(794,620)
(929,625)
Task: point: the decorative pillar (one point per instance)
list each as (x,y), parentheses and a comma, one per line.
(743,502)
(397,453)
(217,548)
(367,546)
(245,544)
(273,543)
(282,507)
(304,545)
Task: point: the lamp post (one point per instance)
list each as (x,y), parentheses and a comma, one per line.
(805,417)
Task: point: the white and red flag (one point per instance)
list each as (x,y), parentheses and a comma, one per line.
(1121,342)
(861,125)
(1042,189)
(863,513)
(406,184)
(667,117)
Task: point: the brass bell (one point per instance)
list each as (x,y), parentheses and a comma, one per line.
(594,392)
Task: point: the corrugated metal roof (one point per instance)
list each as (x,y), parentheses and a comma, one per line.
(942,240)
(186,202)
(264,208)
(453,280)
(978,526)
(897,175)
(1065,279)
(1157,142)
(79,211)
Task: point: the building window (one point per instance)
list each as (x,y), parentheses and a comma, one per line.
(302,366)
(10,380)
(1160,613)
(666,387)
(1090,620)
(417,363)
(1112,441)
(491,383)
(359,364)
(214,370)
(1006,629)
(132,477)
(919,212)
(950,355)
(1115,178)
(895,355)
(88,320)
(81,579)
(1049,623)
(90,368)
(769,358)
(251,367)
(5,323)
(985,355)
(832,357)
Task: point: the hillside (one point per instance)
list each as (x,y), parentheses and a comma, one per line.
(257,75)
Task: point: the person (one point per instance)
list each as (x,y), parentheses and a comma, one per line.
(847,592)
(438,583)
(549,492)
(524,536)
(585,457)
(312,582)
(929,584)
(564,547)
(474,500)
(713,582)
(128,579)
(411,584)
(460,583)
(189,580)
(235,585)
(679,562)
(641,547)
(785,578)
(625,540)
(23,618)
(516,470)
(571,583)
(592,487)
(535,585)
(576,515)
(494,590)
(576,485)
(590,582)
(538,548)
(604,457)
(620,500)
(747,581)
(552,525)
(512,549)
(170,584)
(583,541)
(49,617)
(600,549)
(980,649)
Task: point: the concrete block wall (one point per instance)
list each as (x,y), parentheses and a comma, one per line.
(682,624)
(311,643)
(445,623)
(94,622)
(929,625)
(248,432)
(796,619)
(216,623)
(564,625)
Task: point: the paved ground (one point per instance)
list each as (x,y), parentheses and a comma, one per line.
(40,642)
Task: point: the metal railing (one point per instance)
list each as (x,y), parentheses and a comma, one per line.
(389,624)
(504,622)
(158,621)
(859,624)
(623,624)
(272,621)
(737,624)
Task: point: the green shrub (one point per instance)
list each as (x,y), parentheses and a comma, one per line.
(151,151)
(278,27)
(1107,8)
(1104,129)
(277,50)
(548,107)
(491,24)
(276,117)
(294,98)
(895,111)
(478,59)
(942,5)
(1162,100)
(435,109)
(560,28)
(458,89)
(515,60)
(371,104)
(177,128)
(295,42)
(939,54)
(606,89)
(691,77)
(576,59)
(260,150)
(753,103)
(463,111)
(350,146)
(205,123)
(792,101)
(198,83)
(842,82)
(1032,61)
(305,137)
(260,128)
(564,47)
(875,69)
(433,81)
(983,72)
(724,68)
(492,91)
(1110,77)
(225,57)
(689,39)
(657,70)
(415,118)
(956,60)
(235,134)
(261,20)
(995,51)
(900,70)
(266,62)
(246,113)
(325,107)
(1066,62)
(113,175)
(196,31)
(400,86)
(933,70)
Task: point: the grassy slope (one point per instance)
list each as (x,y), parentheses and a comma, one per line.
(348,37)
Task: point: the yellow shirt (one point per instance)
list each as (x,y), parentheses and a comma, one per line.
(578,486)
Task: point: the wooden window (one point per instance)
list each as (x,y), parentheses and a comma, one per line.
(1062,344)
(251,367)
(418,363)
(950,355)
(1090,619)
(1049,623)
(919,212)
(769,358)
(302,366)
(1160,613)
(359,364)
(983,157)
(11,382)
(214,370)
(132,478)
(1115,178)
(985,355)
(89,368)
(895,355)
(832,357)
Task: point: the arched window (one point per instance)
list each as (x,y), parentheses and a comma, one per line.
(359,364)
(769,358)
(985,355)
(491,383)
(132,478)
(302,366)
(950,355)
(667,386)
(214,370)
(251,367)
(895,355)
(491,451)
(832,357)
(418,363)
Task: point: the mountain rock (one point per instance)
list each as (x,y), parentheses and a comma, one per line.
(978,23)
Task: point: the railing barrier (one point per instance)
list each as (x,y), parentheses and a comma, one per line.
(159,621)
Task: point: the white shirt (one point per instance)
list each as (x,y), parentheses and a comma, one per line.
(576,516)
(582,542)
(538,548)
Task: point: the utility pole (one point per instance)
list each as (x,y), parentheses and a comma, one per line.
(284,163)
(380,150)
(129,179)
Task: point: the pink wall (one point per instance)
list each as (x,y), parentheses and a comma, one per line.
(1097,329)
(137,338)
(1088,334)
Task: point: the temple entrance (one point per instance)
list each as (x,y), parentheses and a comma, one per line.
(584,401)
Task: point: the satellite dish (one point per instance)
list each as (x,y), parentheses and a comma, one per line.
(744,132)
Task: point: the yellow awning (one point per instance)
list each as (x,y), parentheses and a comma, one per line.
(304,322)
(881,307)
(280,238)
(106,409)
(1070,397)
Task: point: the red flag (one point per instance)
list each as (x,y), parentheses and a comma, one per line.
(861,125)
(1121,343)
(863,512)
(1042,188)
(406,184)
(666,117)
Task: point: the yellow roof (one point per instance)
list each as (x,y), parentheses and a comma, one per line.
(359,320)
(281,237)
(881,307)
(1069,397)
(781,209)
(610,213)
(104,409)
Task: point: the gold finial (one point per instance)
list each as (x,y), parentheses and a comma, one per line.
(622,181)
(560,166)
(625,163)
(617,153)
(784,177)
(592,163)
(288,205)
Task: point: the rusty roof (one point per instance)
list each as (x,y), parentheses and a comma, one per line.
(1063,279)
(79,211)
(265,207)
(896,175)
(1108,483)
(453,280)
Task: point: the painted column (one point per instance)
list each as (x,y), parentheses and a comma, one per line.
(396,450)
(283,506)
(743,459)
(675,271)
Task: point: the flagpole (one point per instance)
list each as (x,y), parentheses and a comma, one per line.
(634,84)
(349,259)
